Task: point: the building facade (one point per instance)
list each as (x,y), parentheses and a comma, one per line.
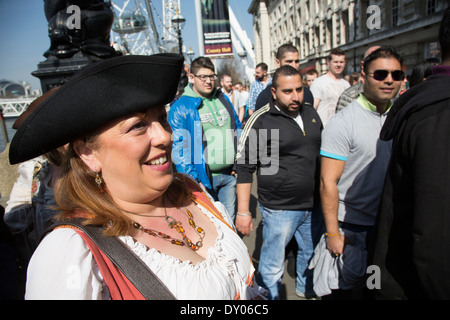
(317,26)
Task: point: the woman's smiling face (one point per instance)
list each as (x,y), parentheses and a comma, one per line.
(134,157)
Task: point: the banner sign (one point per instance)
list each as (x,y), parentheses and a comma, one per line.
(216,28)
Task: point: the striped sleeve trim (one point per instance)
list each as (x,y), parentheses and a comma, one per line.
(332,156)
(247,129)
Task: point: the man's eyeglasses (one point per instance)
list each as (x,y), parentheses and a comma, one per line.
(380,75)
(203,77)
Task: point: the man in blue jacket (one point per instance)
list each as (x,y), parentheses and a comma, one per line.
(205,128)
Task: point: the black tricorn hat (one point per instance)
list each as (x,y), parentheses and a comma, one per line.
(97,94)
(33,105)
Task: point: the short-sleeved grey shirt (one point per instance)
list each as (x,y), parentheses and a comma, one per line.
(353,136)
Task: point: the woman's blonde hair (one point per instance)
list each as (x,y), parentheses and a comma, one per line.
(77,192)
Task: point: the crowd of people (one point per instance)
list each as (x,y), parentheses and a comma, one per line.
(149,196)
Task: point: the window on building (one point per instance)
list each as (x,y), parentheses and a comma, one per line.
(316,38)
(307,4)
(345,31)
(311,40)
(329,34)
(394,12)
(431,6)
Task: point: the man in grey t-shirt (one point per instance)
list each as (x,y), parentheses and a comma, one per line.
(354,159)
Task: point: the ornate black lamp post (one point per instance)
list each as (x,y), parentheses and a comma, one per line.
(179,20)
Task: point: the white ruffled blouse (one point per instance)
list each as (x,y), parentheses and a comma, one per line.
(63,267)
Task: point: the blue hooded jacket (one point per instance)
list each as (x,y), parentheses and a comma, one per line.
(188,143)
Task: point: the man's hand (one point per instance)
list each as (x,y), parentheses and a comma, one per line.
(244,224)
(335,244)
(244,221)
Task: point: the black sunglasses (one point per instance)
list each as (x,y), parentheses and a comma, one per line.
(380,75)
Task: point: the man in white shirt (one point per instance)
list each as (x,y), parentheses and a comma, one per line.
(244,98)
(226,82)
(327,88)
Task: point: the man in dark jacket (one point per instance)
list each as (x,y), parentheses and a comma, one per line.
(281,141)
(412,238)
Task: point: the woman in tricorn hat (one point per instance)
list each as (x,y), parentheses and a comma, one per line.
(117,178)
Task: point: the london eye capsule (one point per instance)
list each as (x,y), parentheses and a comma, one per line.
(130,23)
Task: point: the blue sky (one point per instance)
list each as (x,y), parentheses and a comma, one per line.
(24,37)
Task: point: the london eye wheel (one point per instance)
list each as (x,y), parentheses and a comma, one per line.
(140,28)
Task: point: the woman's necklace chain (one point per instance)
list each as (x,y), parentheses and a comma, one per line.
(177,225)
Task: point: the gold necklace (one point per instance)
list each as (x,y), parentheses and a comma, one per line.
(177,225)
